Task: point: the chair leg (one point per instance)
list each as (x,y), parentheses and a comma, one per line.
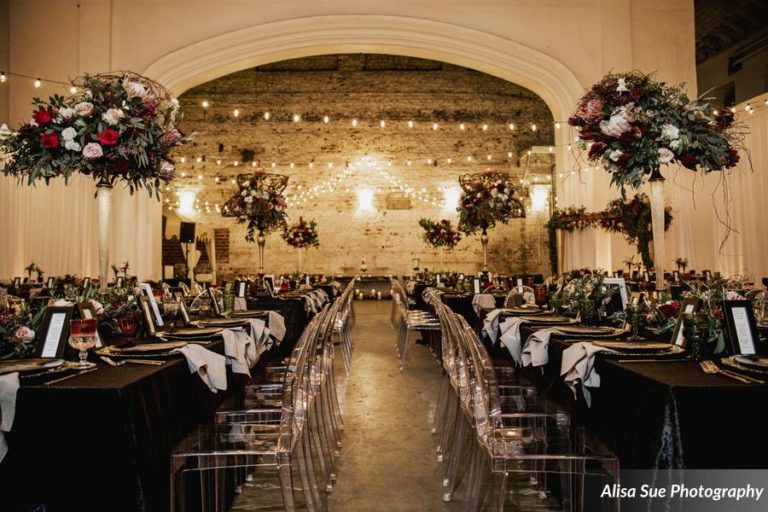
(286,482)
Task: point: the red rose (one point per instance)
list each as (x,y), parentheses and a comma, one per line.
(689,161)
(637,93)
(596,148)
(42,117)
(108,137)
(49,140)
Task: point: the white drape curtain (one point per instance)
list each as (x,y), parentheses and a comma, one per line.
(55,226)
(701,204)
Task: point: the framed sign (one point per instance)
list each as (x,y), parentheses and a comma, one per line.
(676,276)
(476,285)
(269,284)
(184,312)
(88,312)
(16,282)
(241,288)
(146,315)
(119,281)
(689,307)
(618,273)
(646,276)
(54,331)
(619,287)
(741,326)
(152,303)
(51,283)
(214,302)
(707,275)
(86,283)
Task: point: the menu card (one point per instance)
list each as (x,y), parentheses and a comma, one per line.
(743,331)
(53,336)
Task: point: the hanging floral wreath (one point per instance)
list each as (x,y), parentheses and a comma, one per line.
(635,124)
(302,235)
(259,203)
(439,234)
(117,127)
(487,198)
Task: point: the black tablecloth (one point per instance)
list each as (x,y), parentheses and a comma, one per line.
(103,440)
(664,414)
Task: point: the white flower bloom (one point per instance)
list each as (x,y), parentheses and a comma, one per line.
(675,144)
(32,122)
(71,145)
(670,132)
(134,89)
(92,150)
(112,116)
(67,112)
(174,104)
(622,87)
(617,124)
(5,131)
(84,108)
(249,199)
(69,133)
(615,154)
(88,93)
(665,155)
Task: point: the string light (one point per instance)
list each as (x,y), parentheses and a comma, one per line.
(410,124)
(205,104)
(354,123)
(512,126)
(382,124)
(485,127)
(3,77)
(38,83)
(267,115)
(461,126)
(236,112)
(557,126)
(533,127)
(296,118)
(73,90)
(434,126)
(326,119)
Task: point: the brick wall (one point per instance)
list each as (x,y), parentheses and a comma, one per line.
(368,157)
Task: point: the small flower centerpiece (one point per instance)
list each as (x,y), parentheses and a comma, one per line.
(302,235)
(440,235)
(17,327)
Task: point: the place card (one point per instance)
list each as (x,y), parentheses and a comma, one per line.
(52,335)
(51,283)
(147,289)
(184,312)
(689,307)
(241,286)
(16,282)
(476,285)
(146,314)
(214,302)
(269,284)
(119,282)
(86,283)
(676,276)
(741,325)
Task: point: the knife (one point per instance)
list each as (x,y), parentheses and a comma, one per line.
(81,372)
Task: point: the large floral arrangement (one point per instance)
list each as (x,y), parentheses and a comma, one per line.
(487,198)
(635,124)
(439,234)
(259,203)
(632,218)
(303,234)
(118,127)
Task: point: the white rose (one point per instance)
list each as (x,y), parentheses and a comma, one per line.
(4,131)
(675,144)
(615,154)
(616,125)
(665,155)
(174,104)
(32,122)
(69,133)
(134,89)
(84,108)
(670,132)
(244,193)
(249,199)
(67,112)
(92,150)
(622,86)
(112,116)
(71,145)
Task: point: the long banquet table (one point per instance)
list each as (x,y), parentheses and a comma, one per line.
(103,440)
(657,415)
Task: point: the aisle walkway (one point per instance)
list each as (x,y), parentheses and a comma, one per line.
(388,459)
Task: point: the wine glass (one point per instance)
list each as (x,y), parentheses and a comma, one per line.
(171,310)
(82,336)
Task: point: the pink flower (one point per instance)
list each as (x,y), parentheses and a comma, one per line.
(171,137)
(92,150)
(24,333)
(617,124)
(167,171)
(84,108)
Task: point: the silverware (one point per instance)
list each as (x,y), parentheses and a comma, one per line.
(652,360)
(81,372)
(712,369)
(144,361)
(111,362)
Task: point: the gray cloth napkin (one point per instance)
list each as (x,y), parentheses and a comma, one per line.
(240,350)
(9,386)
(276,324)
(579,366)
(209,366)
(536,348)
(491,325)
(483,300)
(260,335)
(240,304)
(510,337)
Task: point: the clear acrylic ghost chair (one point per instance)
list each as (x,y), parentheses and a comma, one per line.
(410,321)
(518,296)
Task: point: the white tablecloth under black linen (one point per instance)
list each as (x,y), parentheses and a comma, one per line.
(103,440)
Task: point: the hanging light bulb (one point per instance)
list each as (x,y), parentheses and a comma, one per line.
(3,78)
(410,124)
(38,83)
(533,127)
(485,127)
(205,104)
(236,112)
(557,126)
(183,159)
(511,126)
(326,119)
(354,123)
(382,123)
(73,90)
(434,126)
(461,126)
(296,118)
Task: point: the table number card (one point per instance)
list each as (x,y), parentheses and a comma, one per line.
(52,335)
(214,302)
(476,285)
(147,289)
(742,327)
(676,276)
(146,313)
(16,282)
(689,307)
(241,289)
(184,312)
(119,282)
(51,283)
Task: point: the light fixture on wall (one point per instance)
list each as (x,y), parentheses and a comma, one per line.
(451,195)
(365,199)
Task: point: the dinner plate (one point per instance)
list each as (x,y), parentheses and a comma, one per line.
(141,348)
(547,319)
(28,365)
(523,311)
(220,322)
(190,332)
(632,346)
(248,314)
(625,352)
(735,364)
(761,363)
(584,330)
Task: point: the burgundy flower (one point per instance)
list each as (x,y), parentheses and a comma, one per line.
(108,137)
(689,161)
(637,93)
(623,159)
(596,149)
(49,140)
(732,158)
(43,117)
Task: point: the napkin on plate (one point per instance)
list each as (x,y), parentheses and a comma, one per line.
(510,337)
(579,366)
(240,304)
(9,385)
(276,324)
(536,348)
(210,366)
(491,324)
(483,300)
(260,334)
(240,350)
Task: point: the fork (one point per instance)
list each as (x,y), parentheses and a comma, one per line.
(711,368)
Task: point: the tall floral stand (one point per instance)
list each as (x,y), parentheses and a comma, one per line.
(104,199)
(657,217)
(300,252)
(484,243)
(560,243)
(261,241)
(441,250)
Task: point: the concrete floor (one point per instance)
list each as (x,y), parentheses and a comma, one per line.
(388,459)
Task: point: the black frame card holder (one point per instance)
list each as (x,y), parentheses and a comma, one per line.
(52,343)
(689,306)
(741,326)
(16,282)
(214,302)
(241,288)
(184,312)
(146,315)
